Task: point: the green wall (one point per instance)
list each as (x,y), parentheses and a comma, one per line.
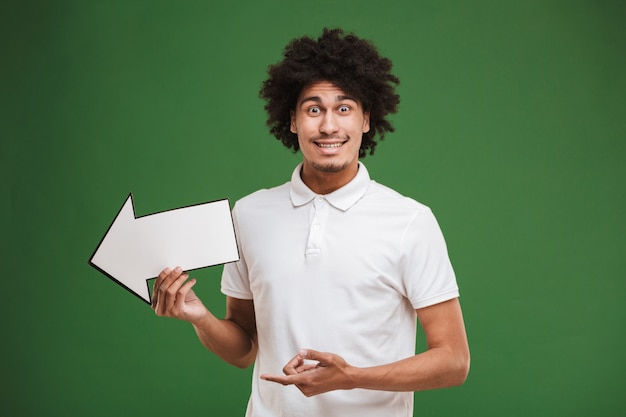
(511,128)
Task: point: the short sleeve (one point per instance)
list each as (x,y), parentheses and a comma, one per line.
(425,266)
(235,282)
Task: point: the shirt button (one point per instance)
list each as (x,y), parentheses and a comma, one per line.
(320,199)
(316,227)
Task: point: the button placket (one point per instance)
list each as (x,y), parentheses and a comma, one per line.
(316,226)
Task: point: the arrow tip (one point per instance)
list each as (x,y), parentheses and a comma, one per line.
(114,256)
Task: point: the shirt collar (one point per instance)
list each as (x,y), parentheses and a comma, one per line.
(343,198)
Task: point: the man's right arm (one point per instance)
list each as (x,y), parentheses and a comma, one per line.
(233,338)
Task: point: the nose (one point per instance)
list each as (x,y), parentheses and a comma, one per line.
(328,123)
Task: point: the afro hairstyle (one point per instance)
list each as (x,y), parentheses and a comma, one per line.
(350,63)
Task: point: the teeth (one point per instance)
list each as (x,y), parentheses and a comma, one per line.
(329,145)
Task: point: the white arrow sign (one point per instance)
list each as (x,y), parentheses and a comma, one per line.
(135,250)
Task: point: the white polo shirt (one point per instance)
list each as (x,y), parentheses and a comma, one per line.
(340,273)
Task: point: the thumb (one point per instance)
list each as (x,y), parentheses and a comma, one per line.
(313,355)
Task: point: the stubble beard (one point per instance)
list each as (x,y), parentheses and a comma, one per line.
(330,167)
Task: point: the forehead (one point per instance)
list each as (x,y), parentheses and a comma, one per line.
(323,91)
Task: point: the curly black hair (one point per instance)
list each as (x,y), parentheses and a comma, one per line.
(352,64)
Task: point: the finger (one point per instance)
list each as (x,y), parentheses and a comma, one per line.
(306,367)
(172,291)
(164,300)
(182,293)
(281,379)
(157,283)
(313,355)
(302,382)
(163,281)
(292,366)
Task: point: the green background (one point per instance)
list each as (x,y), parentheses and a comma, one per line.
(511,127)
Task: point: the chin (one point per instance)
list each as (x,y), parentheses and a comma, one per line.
(330,167)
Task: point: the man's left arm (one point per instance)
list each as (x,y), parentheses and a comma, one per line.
(445,363)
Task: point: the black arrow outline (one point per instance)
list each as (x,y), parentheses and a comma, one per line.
(132,203)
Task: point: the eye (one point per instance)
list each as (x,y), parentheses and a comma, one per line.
(314,110)
(344,108)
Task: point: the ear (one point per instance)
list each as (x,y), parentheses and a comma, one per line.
(292,125)
(366,122)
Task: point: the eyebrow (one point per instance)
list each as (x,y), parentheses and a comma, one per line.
(317,99)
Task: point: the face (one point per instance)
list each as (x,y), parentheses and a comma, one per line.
(329,124)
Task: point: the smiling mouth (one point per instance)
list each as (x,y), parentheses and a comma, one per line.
(329,145)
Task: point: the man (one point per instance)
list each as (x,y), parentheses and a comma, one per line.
(335,268)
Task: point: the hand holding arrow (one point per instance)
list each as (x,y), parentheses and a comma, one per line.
(135,250)
(173,296)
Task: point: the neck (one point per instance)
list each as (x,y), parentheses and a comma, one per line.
(325,182)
